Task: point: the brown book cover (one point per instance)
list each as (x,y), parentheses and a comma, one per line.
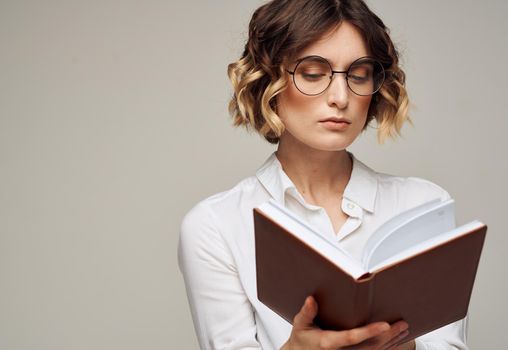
(428,290)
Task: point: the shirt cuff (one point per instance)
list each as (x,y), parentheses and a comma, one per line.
(420,345)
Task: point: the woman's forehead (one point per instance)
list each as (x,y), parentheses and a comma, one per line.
(340,46)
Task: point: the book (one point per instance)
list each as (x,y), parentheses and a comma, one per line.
(418,266)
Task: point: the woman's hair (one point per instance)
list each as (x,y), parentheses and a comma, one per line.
(278,31)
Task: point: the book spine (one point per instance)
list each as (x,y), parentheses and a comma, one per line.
(364,299)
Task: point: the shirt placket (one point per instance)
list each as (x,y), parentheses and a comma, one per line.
(316,216)
(354,220)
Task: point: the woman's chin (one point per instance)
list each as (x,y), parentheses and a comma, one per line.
(330,142)
(334,146)
(333,143)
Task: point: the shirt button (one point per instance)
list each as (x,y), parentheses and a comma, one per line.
(350,205)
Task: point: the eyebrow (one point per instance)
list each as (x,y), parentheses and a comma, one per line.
(309,56)
(349,62)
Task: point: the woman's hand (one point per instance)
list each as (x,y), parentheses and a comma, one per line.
(410,345)
(375,336)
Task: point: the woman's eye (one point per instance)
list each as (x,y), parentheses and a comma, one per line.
(313,76)
(358,78)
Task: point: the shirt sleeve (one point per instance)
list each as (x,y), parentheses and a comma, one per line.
(223,316)
(452,336)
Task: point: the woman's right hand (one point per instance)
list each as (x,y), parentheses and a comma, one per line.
(307,336)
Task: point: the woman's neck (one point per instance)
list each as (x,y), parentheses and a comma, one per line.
(316,174)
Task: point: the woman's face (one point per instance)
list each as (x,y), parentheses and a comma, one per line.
(304,116)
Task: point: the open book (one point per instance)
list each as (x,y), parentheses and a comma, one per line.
(417,266)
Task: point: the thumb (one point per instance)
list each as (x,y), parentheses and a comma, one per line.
(305,316)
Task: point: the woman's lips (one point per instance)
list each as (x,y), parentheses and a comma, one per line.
(335,123)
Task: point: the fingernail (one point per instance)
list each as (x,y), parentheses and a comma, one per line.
(308,301)
(403,327)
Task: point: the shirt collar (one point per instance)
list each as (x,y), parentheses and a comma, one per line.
(274,179)
(361,188)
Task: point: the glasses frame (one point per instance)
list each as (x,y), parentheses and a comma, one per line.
(337,72)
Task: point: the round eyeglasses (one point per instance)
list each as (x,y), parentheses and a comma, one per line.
(313,75)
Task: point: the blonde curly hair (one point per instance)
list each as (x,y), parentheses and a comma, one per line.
(279,30)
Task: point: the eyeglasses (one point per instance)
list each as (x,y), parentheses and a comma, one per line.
(313,75)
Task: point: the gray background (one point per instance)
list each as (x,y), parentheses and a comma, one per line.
(113,123)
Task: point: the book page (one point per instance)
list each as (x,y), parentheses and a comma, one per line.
(409,229)
(428,244)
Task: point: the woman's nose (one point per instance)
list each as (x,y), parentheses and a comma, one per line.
(338,91)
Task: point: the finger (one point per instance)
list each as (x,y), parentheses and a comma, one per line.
(304,318)
(380,340)
(402,325)
(391,337)
(392,344)
(397,328)
(331,339)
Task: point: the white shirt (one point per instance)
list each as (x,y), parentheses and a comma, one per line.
(217,259)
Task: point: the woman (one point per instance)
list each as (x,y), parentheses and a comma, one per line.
(313,75)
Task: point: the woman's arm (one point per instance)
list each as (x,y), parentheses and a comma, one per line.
(222,315)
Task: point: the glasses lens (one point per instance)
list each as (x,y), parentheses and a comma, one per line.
(365,76)
(312,75)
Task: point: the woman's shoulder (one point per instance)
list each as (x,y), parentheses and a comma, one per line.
(223,204)
(411,187)
(396,187)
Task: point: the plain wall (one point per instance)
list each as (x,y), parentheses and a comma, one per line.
(114,123)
